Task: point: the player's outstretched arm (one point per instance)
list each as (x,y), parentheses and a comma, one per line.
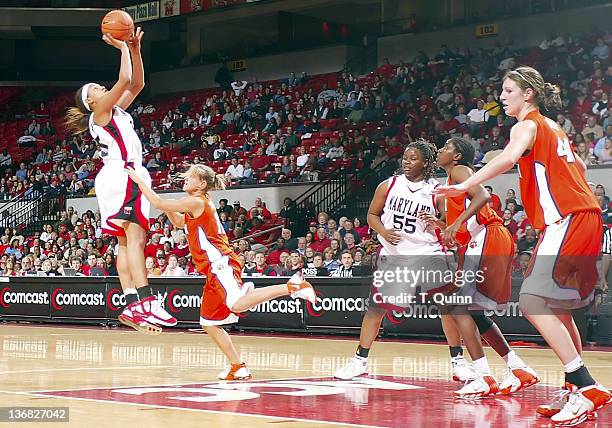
(186,204)
(137,84)
(177,219)
(104,108)
(478,198)
(522,136)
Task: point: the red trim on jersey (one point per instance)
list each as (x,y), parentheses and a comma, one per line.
(393,179)
(144,222)
(118,138)
(128,195)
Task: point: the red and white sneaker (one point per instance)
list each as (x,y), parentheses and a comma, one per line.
(478,388)
(153,312)
(462,370)
(236,372)
(135,319)
(559,400)
(517,380)
(301,289)
(580,404)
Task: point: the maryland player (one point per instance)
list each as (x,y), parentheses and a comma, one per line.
(124,211)
(485,246)
(407,243)
(224,294)
(557,201)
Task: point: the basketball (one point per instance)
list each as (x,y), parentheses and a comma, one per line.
(118,24)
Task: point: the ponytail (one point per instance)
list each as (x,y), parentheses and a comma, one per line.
(77,118)
(548,95)
(207,175)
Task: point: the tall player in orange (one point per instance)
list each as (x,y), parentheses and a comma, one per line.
(557,201)
(224,295)
(485,247)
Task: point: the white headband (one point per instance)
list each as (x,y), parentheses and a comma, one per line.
(84,91)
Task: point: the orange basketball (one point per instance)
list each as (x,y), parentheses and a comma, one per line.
(118,24)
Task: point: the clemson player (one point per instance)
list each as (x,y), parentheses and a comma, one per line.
(224,294)
(485,247)
(558,201)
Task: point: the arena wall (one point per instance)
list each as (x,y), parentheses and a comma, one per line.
(523,31)
(315,61)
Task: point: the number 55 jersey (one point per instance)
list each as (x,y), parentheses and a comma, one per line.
(403,202)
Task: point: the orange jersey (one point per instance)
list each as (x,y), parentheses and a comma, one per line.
(456,205)
(552,184)
(208,242)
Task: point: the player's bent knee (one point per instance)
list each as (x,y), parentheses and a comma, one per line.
(483,322)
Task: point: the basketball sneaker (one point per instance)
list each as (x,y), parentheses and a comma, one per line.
(518,379)
(236,372)
(136,320)
(154,313)
(299,288)
(581,403)
(356,367)
(559,400)
(462,370)
(478,388)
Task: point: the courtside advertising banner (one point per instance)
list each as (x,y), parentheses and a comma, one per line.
(76,301)
(182,300)
(341,303)
(24,299)
(282,313)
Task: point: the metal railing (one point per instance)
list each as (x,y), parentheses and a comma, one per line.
(328,195)
(29,213)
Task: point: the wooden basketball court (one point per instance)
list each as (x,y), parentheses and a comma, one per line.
(118,377)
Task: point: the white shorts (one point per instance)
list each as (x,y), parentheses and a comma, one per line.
(119,198)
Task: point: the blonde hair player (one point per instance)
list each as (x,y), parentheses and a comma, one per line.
(124,211)
(558,201)
(224,295)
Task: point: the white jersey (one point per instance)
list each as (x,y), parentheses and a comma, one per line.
(119,143)
(403,202)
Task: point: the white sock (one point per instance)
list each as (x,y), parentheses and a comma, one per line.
(130,291)
(574,365)
(514,361)
(481,366)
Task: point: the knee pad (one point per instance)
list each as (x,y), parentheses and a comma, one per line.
(483,322)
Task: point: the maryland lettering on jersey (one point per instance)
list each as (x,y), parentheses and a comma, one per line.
(405,206)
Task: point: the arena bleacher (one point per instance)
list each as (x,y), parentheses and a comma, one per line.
(309,126)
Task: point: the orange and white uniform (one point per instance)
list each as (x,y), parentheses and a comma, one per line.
(559,202)
(213,257)
(486,250)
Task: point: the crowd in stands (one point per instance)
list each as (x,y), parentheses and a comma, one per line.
(299,129)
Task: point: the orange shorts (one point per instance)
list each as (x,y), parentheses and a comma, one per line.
(563,268)
(485,267)
(222,290)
